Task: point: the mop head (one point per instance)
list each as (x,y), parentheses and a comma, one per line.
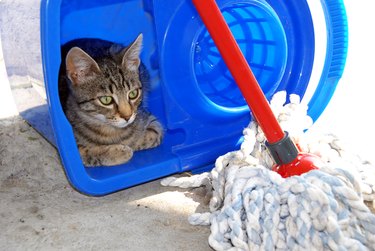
(254,208)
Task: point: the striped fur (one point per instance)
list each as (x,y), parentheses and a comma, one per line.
(103,101)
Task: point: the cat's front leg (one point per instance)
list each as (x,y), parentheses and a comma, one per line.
(105,155)
(153,134)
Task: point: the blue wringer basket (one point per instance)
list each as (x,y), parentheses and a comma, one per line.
(192,92)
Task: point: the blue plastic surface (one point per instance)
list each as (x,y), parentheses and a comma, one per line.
(192,92)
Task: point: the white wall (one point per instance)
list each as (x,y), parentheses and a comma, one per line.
(350,114)
(7,106)
(19,26)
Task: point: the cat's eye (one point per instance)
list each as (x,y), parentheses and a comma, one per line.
(106,100)
(133,94)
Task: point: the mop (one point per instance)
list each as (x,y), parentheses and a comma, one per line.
(275,193)
(254,208)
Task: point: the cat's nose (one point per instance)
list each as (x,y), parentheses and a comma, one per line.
(127,117)
(125,111)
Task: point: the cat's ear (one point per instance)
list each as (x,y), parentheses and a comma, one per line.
(131,60)
(80,66)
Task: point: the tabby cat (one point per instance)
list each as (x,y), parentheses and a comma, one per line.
(103,100)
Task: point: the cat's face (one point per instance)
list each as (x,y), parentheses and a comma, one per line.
(108,91)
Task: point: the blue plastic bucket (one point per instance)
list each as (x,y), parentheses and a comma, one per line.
(192,93)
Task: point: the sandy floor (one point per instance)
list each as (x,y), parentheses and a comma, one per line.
(39,210)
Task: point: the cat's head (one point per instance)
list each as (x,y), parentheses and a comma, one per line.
(109,89)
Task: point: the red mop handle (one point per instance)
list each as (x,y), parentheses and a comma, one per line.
(241,72)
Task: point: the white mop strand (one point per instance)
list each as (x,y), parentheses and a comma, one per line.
(253,208)
(187,182)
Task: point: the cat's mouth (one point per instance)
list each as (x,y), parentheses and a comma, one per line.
(116,122)
(121,122)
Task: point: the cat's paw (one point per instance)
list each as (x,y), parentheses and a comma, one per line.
(108,155)
(117,154)
(153,133)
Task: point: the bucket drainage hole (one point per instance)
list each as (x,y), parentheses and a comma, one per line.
(257,31)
